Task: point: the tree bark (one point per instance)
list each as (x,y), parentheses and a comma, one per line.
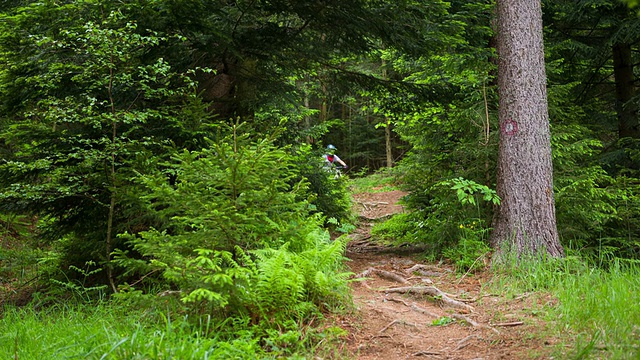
(525,221)
(628,125)
(388,145)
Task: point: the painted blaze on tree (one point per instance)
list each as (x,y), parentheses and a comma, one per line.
(525,222)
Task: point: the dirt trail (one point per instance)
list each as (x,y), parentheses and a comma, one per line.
(473,325)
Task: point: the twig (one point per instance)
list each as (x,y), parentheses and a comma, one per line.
(520,297)
(427,353)
(144,276)
(507,324)
(471,267)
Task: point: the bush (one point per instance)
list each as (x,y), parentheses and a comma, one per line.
(238,235)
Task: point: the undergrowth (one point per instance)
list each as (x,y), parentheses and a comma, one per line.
(381,181)
(598,306)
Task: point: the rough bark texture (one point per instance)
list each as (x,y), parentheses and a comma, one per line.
(628,125)
(388,147)
(525,222)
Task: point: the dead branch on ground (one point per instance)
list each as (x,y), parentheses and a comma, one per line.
(508,324)
(427,353)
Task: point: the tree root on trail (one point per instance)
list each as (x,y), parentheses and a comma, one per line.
(396,321)
(466,341)
(415,307)
(387,275)
(426,270)
(427,353)
(431,291)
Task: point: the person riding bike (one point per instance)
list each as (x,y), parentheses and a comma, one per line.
(331,158)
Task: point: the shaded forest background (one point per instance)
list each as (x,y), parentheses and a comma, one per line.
(176,145)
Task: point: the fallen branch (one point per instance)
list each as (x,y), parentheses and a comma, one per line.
(508,324)
(431,291)
(427,353)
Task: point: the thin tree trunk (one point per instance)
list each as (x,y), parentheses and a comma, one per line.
(112,202)
(525,222)
(387,138)
(387,128)
(628,125)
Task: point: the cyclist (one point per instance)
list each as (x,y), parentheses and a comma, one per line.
(331,158)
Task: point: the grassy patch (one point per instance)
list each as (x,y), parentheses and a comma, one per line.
(159,330)
(381,181)
(99,332)
(603,308)
(597,314)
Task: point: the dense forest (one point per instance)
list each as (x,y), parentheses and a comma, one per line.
(176,147)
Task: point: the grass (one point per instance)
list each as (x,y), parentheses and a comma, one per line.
(603,308)
(108,332)
(597,315)
(381,181)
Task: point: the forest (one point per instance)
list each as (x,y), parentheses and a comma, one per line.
(163,191)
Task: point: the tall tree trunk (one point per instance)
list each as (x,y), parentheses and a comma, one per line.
(525,221)
(628,125)
(387,128)
(112,176)
(387,138)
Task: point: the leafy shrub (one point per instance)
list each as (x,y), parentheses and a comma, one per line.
(237,236)
(437,222)
(330,195)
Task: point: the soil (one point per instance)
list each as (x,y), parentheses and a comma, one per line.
(476,324)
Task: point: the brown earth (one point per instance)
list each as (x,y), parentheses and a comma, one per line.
(476,324)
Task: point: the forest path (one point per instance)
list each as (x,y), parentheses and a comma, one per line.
(462,322)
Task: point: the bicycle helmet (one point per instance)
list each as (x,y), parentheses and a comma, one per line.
(331,147)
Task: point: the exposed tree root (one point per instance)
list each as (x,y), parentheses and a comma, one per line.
(465,319)
(415,307)
(387,275)
(466,341)
(396,321)
(426,270)
(431,291)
